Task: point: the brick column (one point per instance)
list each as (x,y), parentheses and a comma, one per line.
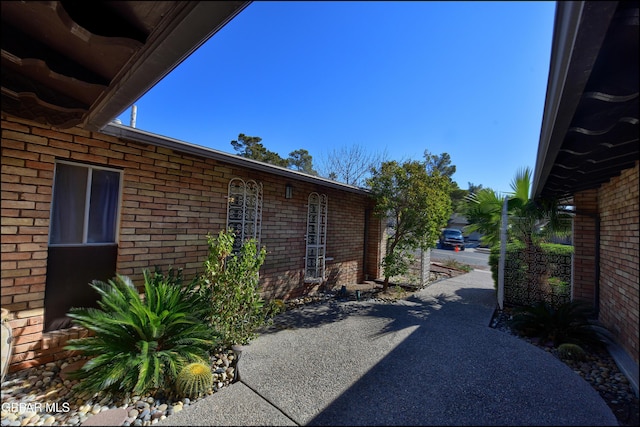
(584,241)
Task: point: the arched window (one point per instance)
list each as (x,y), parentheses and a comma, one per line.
(244,210)
(316,238)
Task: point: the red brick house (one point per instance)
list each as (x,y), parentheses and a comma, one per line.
(166,196)
(83,198)
(588,158)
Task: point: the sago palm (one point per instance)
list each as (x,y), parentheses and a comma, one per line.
(567,323)
(140,343)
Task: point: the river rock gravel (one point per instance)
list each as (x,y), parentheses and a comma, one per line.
(41,396)
(599,369)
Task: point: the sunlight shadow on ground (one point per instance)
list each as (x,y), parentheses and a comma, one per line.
(402,312)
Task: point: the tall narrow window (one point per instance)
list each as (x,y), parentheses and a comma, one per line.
(85,205)
(244,212)
(316,237)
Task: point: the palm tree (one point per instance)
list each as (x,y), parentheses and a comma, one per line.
(529,221)
(534,221)
(483,211)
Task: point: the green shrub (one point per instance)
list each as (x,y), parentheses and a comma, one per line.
(140,343)
(548,281)
(397,263)
(452,263)
(275,307)
(194,379)
(570,351)
(558,285)
(511,260)
(231,284)
(568,323)
(551,251)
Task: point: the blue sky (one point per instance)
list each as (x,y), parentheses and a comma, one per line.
(466,78)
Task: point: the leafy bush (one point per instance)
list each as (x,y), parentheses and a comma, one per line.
(275,307)
(140,343)
(558,285)
(457,265)
(568,323)
(397,263)
(549,280)
(551,251)
(231,284)
(194,379)
(511,259)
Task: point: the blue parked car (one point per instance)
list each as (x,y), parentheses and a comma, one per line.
(450,238)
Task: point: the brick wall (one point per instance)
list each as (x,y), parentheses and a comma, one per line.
(619,239)
(170,202)
(28,156)
(584,240)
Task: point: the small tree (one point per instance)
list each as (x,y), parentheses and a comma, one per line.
(417,203)
(232,283)
(302,161)
(351,165)
(251,147)
(442,164)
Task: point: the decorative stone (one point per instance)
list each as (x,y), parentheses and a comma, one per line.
(64,373)
(141,404)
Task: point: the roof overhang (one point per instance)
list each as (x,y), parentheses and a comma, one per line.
(69,63)
(590,122)
(136,135)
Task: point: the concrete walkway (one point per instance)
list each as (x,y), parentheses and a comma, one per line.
(429,360)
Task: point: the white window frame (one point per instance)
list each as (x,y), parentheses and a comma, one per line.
(87,204)
(316,238)
(244,210)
